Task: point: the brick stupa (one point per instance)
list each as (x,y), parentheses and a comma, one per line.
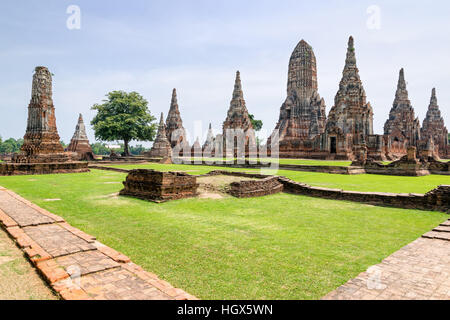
(175,132)
(237,122)
(41,141)
(434,127)
(161,146)
(80,142)
(402,129)
(302,115)
(209,142)
(351,113)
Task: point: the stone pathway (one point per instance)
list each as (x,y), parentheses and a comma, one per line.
(421,271)
(73,263)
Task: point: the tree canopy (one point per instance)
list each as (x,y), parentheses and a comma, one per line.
(257,124)
(123,116)
(10,145)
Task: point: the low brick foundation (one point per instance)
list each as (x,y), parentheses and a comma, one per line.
(437,199)
(159,186)
(256,188)
(12,169)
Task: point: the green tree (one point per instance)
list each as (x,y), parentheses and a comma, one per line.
(257,124)
(137,150)
(100,149)
(10,145)
(123,116)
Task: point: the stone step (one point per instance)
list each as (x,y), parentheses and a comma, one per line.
(442,229)
(446,223)
(437,235)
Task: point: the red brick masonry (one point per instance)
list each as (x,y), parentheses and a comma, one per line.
(73,263)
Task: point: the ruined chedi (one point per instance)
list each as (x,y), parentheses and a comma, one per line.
(433,127)
(351,113)
(402,129)
(161,147)
(80,142)
(351,116)
(208,146)
(302,115)
(238,125)
(41,141)
(176,134)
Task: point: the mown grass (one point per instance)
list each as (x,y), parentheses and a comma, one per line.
(276,247)
(364,182)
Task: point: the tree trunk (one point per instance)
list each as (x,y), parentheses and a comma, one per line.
(125,148)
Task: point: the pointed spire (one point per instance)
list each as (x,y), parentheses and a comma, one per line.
(174,101)
(210,127)
(401,80)
(237,92)
(80,130)
(401,95)
(162,126)
(350,61)
(433,100)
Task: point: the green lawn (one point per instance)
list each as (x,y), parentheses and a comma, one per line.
(364,182)
(276,247)
(308,162)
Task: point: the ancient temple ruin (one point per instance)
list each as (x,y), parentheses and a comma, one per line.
(80,142)
(42,151)
(208,146)
(238,134)
(402,129)
(433,127)
(161,146)
(348,131)
(41,141)
(302,115)
(176,134)
(350,121)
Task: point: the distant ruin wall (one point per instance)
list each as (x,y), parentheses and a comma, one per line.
(437,199)
(12,169)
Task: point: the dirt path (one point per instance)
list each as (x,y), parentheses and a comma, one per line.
(18,279)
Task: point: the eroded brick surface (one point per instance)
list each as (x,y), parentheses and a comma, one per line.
(421,270)
(21,213)
(56,240)
(86,262)
(117,284)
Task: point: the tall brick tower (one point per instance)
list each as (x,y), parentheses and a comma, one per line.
(41,140)
(302,115)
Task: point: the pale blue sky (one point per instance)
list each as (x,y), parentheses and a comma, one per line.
(196,46)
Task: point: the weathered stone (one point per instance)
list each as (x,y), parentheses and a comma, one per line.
(208,146)
(256,188)
(80,142)
(41,141)
(351,116)
(402,129)
(302,115)
(159,186)
(176,134)
(238,133)
(433,127)
(161,146)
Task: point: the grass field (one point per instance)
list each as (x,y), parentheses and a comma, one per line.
(364,182)
(275,247)
(308,162)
